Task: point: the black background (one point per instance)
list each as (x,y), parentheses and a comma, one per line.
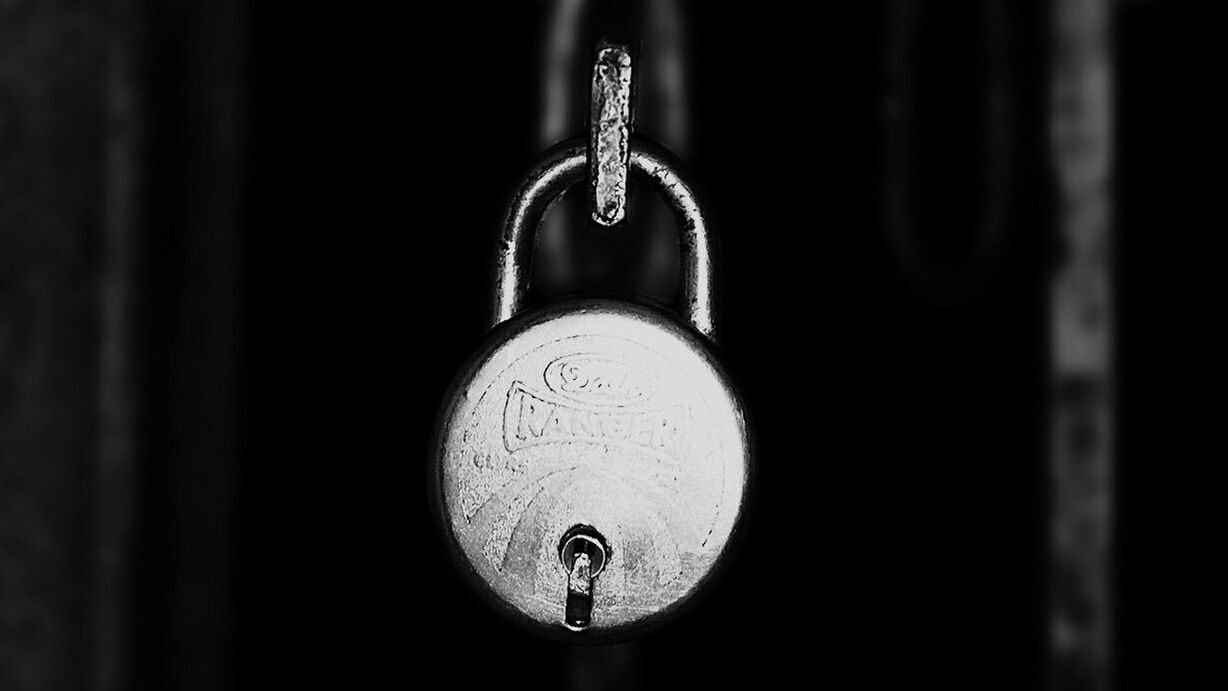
(901,441)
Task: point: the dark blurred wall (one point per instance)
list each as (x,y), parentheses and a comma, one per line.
(53,199)
(122,181)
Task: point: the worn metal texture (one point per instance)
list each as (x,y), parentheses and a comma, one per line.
(610,135)
(564,166)
(595,413)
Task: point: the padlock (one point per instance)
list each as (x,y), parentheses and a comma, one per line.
(592,459)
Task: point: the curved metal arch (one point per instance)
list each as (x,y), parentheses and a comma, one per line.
(566,165)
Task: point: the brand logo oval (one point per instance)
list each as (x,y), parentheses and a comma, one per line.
(598,379)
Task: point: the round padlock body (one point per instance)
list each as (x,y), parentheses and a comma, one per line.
(600,415)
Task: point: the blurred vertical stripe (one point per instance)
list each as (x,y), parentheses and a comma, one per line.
(114,479)
(122,170)
(1081,349)
(53,192)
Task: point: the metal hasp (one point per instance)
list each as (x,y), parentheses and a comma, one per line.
(609,133)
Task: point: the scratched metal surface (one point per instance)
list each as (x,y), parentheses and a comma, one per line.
(599,413)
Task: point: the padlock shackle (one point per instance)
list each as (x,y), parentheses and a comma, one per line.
(565,165)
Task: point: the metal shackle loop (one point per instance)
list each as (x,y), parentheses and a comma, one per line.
(567,164)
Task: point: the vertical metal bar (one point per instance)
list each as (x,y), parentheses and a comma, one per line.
(1081,324)
(609,135)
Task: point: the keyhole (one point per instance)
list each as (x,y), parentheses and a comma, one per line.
(583,553)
